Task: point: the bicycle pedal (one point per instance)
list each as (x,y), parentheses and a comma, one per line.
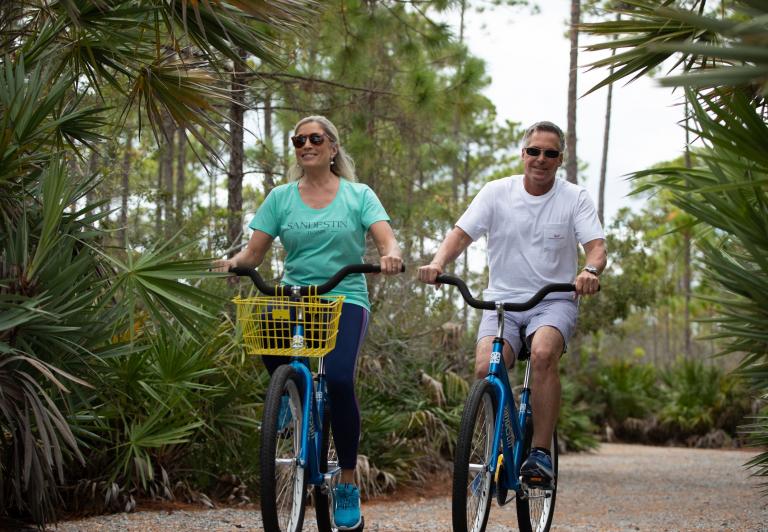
(539,483)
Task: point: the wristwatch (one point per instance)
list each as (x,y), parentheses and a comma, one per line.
(591,269)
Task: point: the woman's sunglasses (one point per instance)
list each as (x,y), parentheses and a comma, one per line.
(315,139)
(549,154)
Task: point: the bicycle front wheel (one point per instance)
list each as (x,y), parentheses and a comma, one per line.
(283,480)
(471,466)
(535,512)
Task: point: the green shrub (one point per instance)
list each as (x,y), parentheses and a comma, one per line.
(698,397)
(624,389)
(575,429)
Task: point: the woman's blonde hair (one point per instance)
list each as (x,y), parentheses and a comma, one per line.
(342,164)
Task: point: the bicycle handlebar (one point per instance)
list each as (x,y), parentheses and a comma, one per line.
(445,278)
(284,290)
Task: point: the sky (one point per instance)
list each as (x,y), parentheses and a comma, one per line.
(527,57)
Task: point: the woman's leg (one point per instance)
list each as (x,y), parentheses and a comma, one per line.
(340,377)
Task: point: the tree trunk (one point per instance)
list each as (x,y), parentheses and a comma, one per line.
(571,164)
(687,254)
(181,175)
(235,174)
(159,196)
(455,177)
(125,189)
(286,153)
(458,175)
(212,226)
(93,168)
(269,147)
(606,138)
(167,162)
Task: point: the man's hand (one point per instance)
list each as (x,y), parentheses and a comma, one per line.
(428,273)
(586,283)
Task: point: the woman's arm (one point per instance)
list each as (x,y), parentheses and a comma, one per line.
(390,257)
(250,256)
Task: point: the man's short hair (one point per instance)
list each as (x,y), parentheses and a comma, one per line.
(544,126)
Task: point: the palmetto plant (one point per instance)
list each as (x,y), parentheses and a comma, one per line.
(722,55)
(73,316)
(627,389)
(692,396)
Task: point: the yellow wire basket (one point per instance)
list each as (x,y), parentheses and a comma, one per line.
(268,323)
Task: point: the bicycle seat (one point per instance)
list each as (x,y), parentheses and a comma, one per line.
(525,348)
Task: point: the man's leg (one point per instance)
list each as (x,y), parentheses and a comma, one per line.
(483,356)
(546,348)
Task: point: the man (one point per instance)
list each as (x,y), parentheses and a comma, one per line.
(533,223)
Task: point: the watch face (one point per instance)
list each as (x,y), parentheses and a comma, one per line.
(591,269)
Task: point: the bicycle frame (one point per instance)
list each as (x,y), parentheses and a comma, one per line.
(312,423)
(511,418)
(313,410)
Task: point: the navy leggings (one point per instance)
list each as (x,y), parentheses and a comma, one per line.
(340,376)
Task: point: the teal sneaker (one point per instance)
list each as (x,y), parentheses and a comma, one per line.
(284,417)
(346,507)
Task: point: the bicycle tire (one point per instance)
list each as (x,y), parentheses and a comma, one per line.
(283,481)
(472,478)
(535,513)
(323,501)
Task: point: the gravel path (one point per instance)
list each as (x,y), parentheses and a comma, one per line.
(618,488)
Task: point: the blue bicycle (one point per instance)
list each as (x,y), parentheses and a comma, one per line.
(296,445)
(495,435)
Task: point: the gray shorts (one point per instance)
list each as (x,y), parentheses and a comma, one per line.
(558,313)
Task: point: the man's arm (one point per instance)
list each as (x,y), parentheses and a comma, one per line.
(596,257)
(454,245)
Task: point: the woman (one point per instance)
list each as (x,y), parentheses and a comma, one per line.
(322,217)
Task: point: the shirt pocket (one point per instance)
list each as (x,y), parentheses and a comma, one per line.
(555,236)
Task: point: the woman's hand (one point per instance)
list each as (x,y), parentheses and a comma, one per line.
(390,264)
(248,257)
(223,265)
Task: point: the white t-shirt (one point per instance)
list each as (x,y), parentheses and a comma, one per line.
(532,240)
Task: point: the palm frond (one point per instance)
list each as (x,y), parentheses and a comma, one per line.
(713,51)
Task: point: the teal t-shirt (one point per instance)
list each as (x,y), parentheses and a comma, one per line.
(319,242)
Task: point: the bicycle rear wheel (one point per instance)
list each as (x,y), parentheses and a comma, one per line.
(535,512)
(328,459)
(283,481)
(471,466)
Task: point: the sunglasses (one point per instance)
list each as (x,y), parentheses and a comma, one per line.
(549,154)
(316,139)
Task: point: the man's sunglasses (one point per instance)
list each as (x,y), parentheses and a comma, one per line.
(549,154)
(316,139)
